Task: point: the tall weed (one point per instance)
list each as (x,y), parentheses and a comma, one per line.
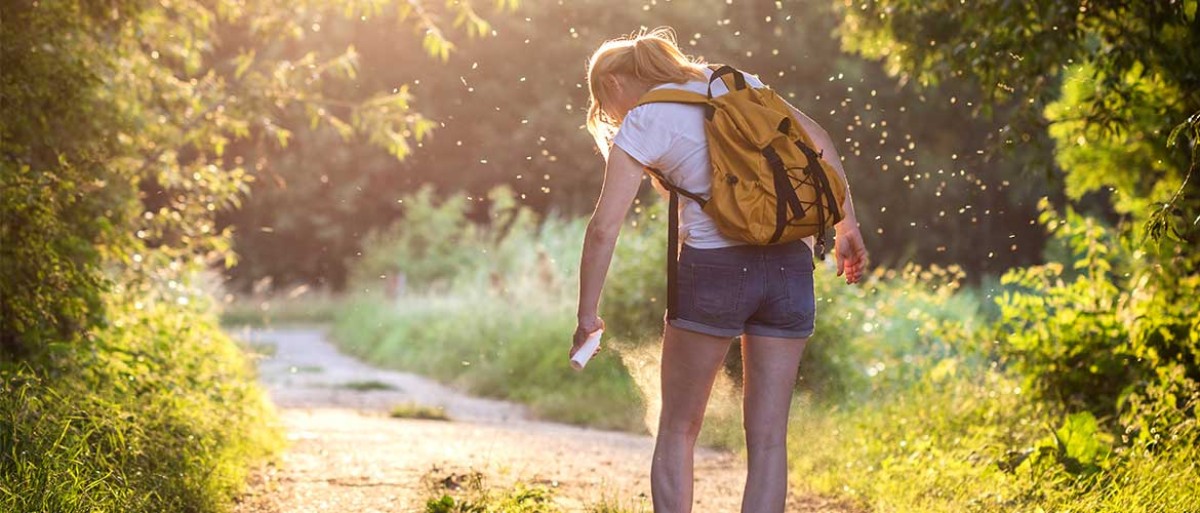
(157,411)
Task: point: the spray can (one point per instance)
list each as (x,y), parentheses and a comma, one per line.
(587,350)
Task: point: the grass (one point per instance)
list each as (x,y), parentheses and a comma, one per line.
(481,344)
(970,443)
(901,409)
(469,492)
(158,411)
(905,404)
(282,310)
(367,386)
(418,411)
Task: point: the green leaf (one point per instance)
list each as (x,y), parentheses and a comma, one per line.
(243,62)
(282,136)
(344,130)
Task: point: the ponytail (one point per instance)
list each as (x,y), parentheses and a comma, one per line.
(651,57)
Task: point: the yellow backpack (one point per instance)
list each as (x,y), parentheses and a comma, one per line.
(769,186)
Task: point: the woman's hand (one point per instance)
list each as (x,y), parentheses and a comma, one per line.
(587,326)
(850,252)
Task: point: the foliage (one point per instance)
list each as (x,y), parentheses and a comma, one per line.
(470,493)
(1078,445)
(435,246)
(128,126)
(976,441)
(893,329)
(491,311)
(1109,325)
(435,242)
(55,204)
(1102,337)
(1115,79)
(1164,221)
(635,293)
(968,426)
(927,194)
(157,411)
(1062,327)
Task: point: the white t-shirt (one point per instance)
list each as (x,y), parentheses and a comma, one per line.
(670,137)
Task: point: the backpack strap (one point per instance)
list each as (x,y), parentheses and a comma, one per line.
(725,72)
(673,236)
(666,184)
(830,206)
(672,95)
(734,81)
(673,257)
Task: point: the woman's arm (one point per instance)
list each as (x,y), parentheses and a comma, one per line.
(848,244)
(622,177)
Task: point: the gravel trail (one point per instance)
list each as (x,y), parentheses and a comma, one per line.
(347,455)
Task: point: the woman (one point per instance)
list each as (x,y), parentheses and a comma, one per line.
(763,294)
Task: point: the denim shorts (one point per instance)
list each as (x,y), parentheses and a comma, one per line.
(756,290)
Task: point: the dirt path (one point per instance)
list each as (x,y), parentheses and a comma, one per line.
(347,456)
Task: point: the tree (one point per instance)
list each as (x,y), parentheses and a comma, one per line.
(1100,75)
(120,121)
(509,111)
(1116,85)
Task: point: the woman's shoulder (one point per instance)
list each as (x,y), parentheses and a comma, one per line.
(701,86)
(659,117)
(666,114)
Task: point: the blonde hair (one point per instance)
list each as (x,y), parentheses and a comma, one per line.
(651,57)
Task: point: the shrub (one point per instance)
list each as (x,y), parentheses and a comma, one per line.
(1110,334)
(1060,326)
(157,411)
(505,346)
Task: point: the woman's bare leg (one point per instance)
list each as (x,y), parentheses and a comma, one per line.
(690,362)
(769,368)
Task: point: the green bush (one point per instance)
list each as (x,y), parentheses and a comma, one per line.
(1061,326)
(504,346)
(157,411)
(434,243)
(889,331)
(127,127)
(970,439)
(438,249)
(1110,334)
(915,395)
(1079,396)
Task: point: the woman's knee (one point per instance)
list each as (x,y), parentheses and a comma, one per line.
(680,425)
(764,437)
